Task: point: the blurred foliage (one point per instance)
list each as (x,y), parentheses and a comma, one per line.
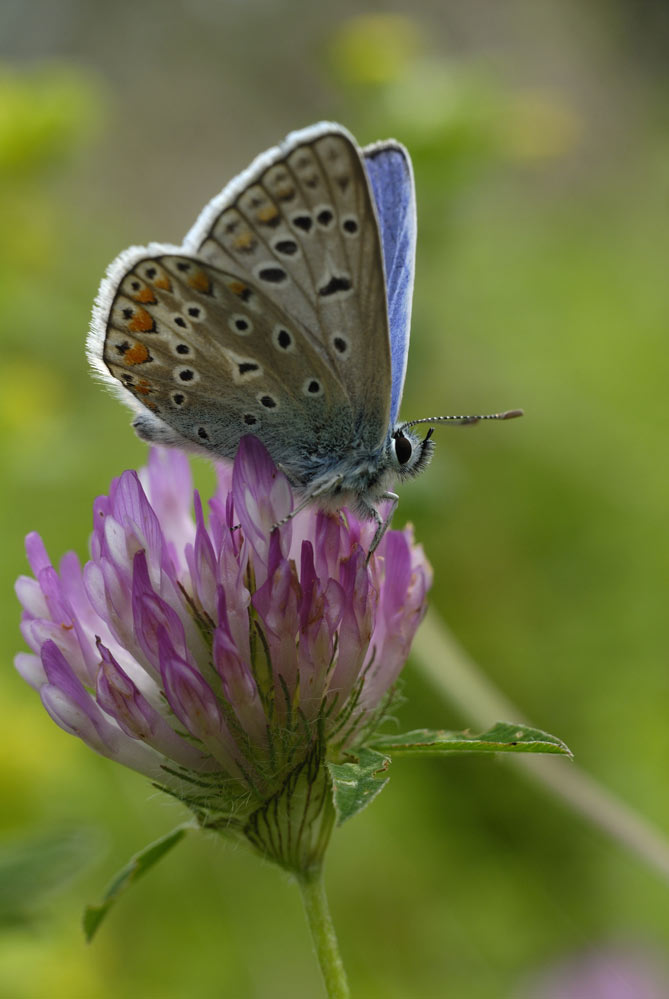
(34,869)
(374,50)
(45,115)
(541,283)
(453,116)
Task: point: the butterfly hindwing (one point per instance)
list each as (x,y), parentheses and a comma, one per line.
(209,356)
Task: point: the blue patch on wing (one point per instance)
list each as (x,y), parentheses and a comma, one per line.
(389,170)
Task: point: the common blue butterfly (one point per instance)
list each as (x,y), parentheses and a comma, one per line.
(284,314)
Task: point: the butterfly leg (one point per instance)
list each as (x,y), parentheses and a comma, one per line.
(381,524)
(325,487)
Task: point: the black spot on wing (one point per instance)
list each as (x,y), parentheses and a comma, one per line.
(287,247)
(272,275)
(245,367)
(335,286)
(303,222)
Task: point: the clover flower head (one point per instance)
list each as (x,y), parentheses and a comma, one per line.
(226,659)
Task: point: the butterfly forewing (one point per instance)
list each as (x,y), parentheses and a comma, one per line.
(389,170)
(303,228)
(213,358)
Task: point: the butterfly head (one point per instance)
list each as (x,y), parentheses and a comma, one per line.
(409,454)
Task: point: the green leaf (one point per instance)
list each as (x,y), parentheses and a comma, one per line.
(356,783)
(138,865)
(503,737)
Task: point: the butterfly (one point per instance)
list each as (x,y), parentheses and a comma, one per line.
(284,314)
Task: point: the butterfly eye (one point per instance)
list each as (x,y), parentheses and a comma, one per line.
(403,449)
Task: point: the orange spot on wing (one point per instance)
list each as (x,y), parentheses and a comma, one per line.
(163,283)
(136,355)
(244,240)
(141,322)
(200,282)
(146,296)
(143,387)
(268,213)
(237,287)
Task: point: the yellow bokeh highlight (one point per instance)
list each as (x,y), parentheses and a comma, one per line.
(45,113)
(539,125)
(32,398)
(374,49)
(29,746)
(61,967)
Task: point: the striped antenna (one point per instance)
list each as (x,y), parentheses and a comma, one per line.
(510,414)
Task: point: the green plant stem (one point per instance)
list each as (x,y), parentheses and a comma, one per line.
(461,682)
(323,934)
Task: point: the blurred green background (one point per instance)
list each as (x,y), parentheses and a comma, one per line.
(538,132)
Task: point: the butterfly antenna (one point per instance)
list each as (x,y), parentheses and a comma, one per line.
(509,414)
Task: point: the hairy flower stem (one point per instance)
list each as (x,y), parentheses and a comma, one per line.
(323,934)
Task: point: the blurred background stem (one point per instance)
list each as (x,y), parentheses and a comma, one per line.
(464,685)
